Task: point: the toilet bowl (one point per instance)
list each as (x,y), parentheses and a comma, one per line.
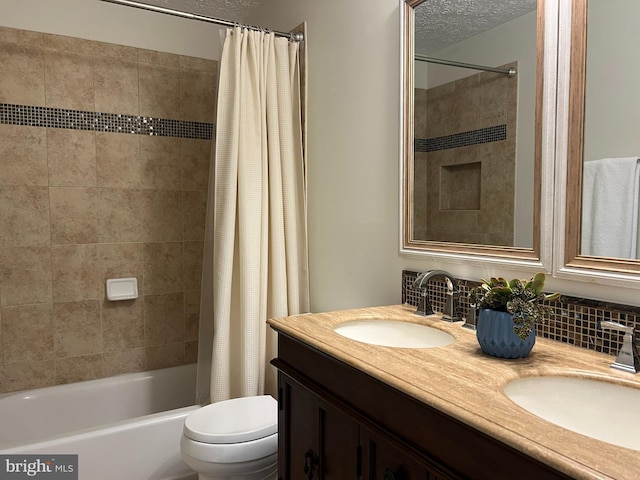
(233,439)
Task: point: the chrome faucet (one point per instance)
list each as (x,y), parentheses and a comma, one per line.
(451,303)
(628,358)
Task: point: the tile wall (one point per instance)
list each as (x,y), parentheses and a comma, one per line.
(464,160)
(104,161)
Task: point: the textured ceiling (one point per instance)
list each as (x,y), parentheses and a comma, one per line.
(231,10)
(440,23)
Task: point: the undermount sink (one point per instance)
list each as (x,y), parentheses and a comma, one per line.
(598,409)
(392,333)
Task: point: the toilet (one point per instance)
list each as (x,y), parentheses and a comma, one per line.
(233,439)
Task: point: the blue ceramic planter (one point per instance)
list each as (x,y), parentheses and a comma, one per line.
(496,338)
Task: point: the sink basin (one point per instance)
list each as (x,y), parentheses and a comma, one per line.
(597,409)
(391,333)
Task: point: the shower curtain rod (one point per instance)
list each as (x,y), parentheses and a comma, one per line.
(297,37)
(508,72)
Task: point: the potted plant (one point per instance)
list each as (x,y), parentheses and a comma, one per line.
(509,311)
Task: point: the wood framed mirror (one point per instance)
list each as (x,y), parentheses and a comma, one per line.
(463,192)
(602,146)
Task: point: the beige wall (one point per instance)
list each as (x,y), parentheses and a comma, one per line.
(80,206)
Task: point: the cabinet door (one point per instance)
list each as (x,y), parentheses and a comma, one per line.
(316,440)
(384,459)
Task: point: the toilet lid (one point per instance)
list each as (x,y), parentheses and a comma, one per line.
(233,421)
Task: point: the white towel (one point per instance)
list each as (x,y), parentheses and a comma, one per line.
(611,189)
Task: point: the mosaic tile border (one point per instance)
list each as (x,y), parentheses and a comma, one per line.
(49,117)
(464,139)
(572,320)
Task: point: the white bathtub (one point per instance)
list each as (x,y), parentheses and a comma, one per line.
(126,427)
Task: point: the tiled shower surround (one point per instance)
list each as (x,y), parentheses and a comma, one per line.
(104,161)
(572,320)
(464,160)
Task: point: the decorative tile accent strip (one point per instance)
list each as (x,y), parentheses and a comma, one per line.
(464,139)
(49,117)
(572,320)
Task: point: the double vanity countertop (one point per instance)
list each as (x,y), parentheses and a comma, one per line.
(464,383)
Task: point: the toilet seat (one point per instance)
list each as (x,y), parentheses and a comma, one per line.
(242,431)
(233,421)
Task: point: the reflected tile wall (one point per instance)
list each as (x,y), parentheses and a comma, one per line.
(460,124)
(81,202)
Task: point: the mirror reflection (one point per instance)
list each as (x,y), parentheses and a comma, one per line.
(611,143)
(473,172)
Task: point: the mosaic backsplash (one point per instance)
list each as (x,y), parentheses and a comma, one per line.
(573,320)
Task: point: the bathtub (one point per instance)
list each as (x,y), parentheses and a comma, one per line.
(126,427)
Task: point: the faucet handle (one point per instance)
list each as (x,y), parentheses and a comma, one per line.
(628,358)
(609,325)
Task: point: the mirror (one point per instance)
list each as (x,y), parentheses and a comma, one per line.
(603,145)
(472,139)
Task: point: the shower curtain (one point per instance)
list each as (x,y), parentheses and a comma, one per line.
(255,262)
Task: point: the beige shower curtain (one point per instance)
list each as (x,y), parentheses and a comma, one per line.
(256,242)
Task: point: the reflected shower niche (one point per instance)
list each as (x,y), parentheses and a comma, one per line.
(464,160)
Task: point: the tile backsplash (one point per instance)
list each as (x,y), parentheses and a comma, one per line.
(104,165)
(572,320)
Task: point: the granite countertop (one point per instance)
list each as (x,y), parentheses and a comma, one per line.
(466,384)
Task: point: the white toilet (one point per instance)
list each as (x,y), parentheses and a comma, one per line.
(233,440)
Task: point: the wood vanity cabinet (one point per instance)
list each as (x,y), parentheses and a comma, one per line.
(336,422)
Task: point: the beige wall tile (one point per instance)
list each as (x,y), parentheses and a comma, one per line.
(118,160)
(75,273)
(201,64)
(162,216)
(122,324)
(77,328)
(23,156)
(64,43)
(164,356)
(72,157)
(195,209)
(22,37)
(1,350)
(27,333)
(163,264)
(119,215)
(123,361)
(3,384)
(74,215)
(191,315)
(25,85)
(78,369)
(116,85)
(197,95)
(196,155)
(154,57)
(24,215)
(25,376)
(120,260)
(190,352)
(157,90)
(161,160)
(193,252)
(122,52)
(25,275)
(69,80)
(163,319)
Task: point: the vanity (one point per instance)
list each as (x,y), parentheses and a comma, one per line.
(350,409)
